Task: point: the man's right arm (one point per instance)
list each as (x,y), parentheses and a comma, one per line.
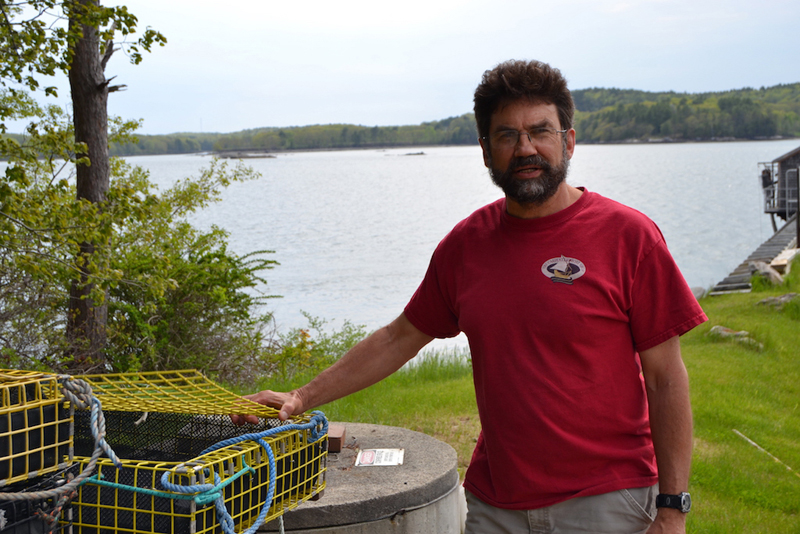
(370,361)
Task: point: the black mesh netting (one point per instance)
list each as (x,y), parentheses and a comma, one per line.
(166,437)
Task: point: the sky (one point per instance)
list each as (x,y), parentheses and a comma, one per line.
(243,64)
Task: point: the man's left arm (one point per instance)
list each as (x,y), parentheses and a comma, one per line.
(667,384)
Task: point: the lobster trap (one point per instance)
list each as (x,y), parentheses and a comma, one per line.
(185,467)
(35,426)
(36,515)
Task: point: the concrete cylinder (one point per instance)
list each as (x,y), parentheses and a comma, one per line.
(419,497)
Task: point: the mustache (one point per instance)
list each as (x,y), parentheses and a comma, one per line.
(536,160)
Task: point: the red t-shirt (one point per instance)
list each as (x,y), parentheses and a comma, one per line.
(555,310)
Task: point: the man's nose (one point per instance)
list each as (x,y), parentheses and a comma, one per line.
(525,147)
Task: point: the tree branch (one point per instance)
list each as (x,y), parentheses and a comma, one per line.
(113,88)
(109,48)
(12,36)
(20,223)
(37,231)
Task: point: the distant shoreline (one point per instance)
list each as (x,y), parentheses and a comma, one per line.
(669,141)
(414,150)
(255,154)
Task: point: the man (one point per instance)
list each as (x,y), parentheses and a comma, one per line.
(573,307)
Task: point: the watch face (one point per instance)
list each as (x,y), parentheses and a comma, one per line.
(686,502)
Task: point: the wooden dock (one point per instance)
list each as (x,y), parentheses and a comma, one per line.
(739,279)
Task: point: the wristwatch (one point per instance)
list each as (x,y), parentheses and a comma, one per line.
(682,501)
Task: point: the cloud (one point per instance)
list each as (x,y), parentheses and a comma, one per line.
(257,63)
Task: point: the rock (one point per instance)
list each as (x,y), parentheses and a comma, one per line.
(778,302)
(722,331)
(762,269)
(739,336)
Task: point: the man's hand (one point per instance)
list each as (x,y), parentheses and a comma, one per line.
(288,403)
(668,521)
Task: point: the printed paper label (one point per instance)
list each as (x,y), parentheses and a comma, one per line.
(379,457)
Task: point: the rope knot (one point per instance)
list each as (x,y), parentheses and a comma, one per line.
(77,392)
(320,426)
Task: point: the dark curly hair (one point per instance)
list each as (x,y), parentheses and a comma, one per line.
(515,80)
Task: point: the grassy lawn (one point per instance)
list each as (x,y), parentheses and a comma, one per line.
(739,393)
(745,399)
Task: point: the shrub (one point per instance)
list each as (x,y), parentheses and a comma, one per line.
(177,296)
(307,351)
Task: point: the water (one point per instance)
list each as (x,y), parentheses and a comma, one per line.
(354,230)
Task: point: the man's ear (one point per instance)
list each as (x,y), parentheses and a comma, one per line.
(487,157)
(570,142)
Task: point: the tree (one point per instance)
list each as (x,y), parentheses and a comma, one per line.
(177,296)
(86,326)
(34,43)
(159,293)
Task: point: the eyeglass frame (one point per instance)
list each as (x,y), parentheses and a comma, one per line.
(526,132)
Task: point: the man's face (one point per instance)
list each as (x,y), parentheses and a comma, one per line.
(530,171)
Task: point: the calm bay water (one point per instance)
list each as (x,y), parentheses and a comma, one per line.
(354,230)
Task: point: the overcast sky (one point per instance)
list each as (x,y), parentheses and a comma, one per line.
(243,64)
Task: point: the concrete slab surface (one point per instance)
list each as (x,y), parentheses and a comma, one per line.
(361,495)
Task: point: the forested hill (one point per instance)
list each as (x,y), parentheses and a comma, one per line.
(452,131)
(603,116)
(615,115)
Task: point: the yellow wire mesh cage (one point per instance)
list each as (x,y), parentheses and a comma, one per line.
(35,426)
(185,466)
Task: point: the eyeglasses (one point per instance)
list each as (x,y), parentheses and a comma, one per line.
(510,138)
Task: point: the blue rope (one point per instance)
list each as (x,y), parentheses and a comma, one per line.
(318,427)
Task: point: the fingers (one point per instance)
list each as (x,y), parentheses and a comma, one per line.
(288,404)
(287,410)
(240,420)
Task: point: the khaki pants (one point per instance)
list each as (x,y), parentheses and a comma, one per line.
(628,511)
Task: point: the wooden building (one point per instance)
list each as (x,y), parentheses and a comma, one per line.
(779,180)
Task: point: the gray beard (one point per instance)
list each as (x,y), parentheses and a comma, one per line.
(533,190)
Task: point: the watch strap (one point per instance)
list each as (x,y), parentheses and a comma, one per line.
(681,502)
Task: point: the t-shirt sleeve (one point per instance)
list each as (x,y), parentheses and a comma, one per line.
(430,309)
(662,306)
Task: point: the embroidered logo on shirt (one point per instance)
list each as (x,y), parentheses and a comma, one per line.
(563,270)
